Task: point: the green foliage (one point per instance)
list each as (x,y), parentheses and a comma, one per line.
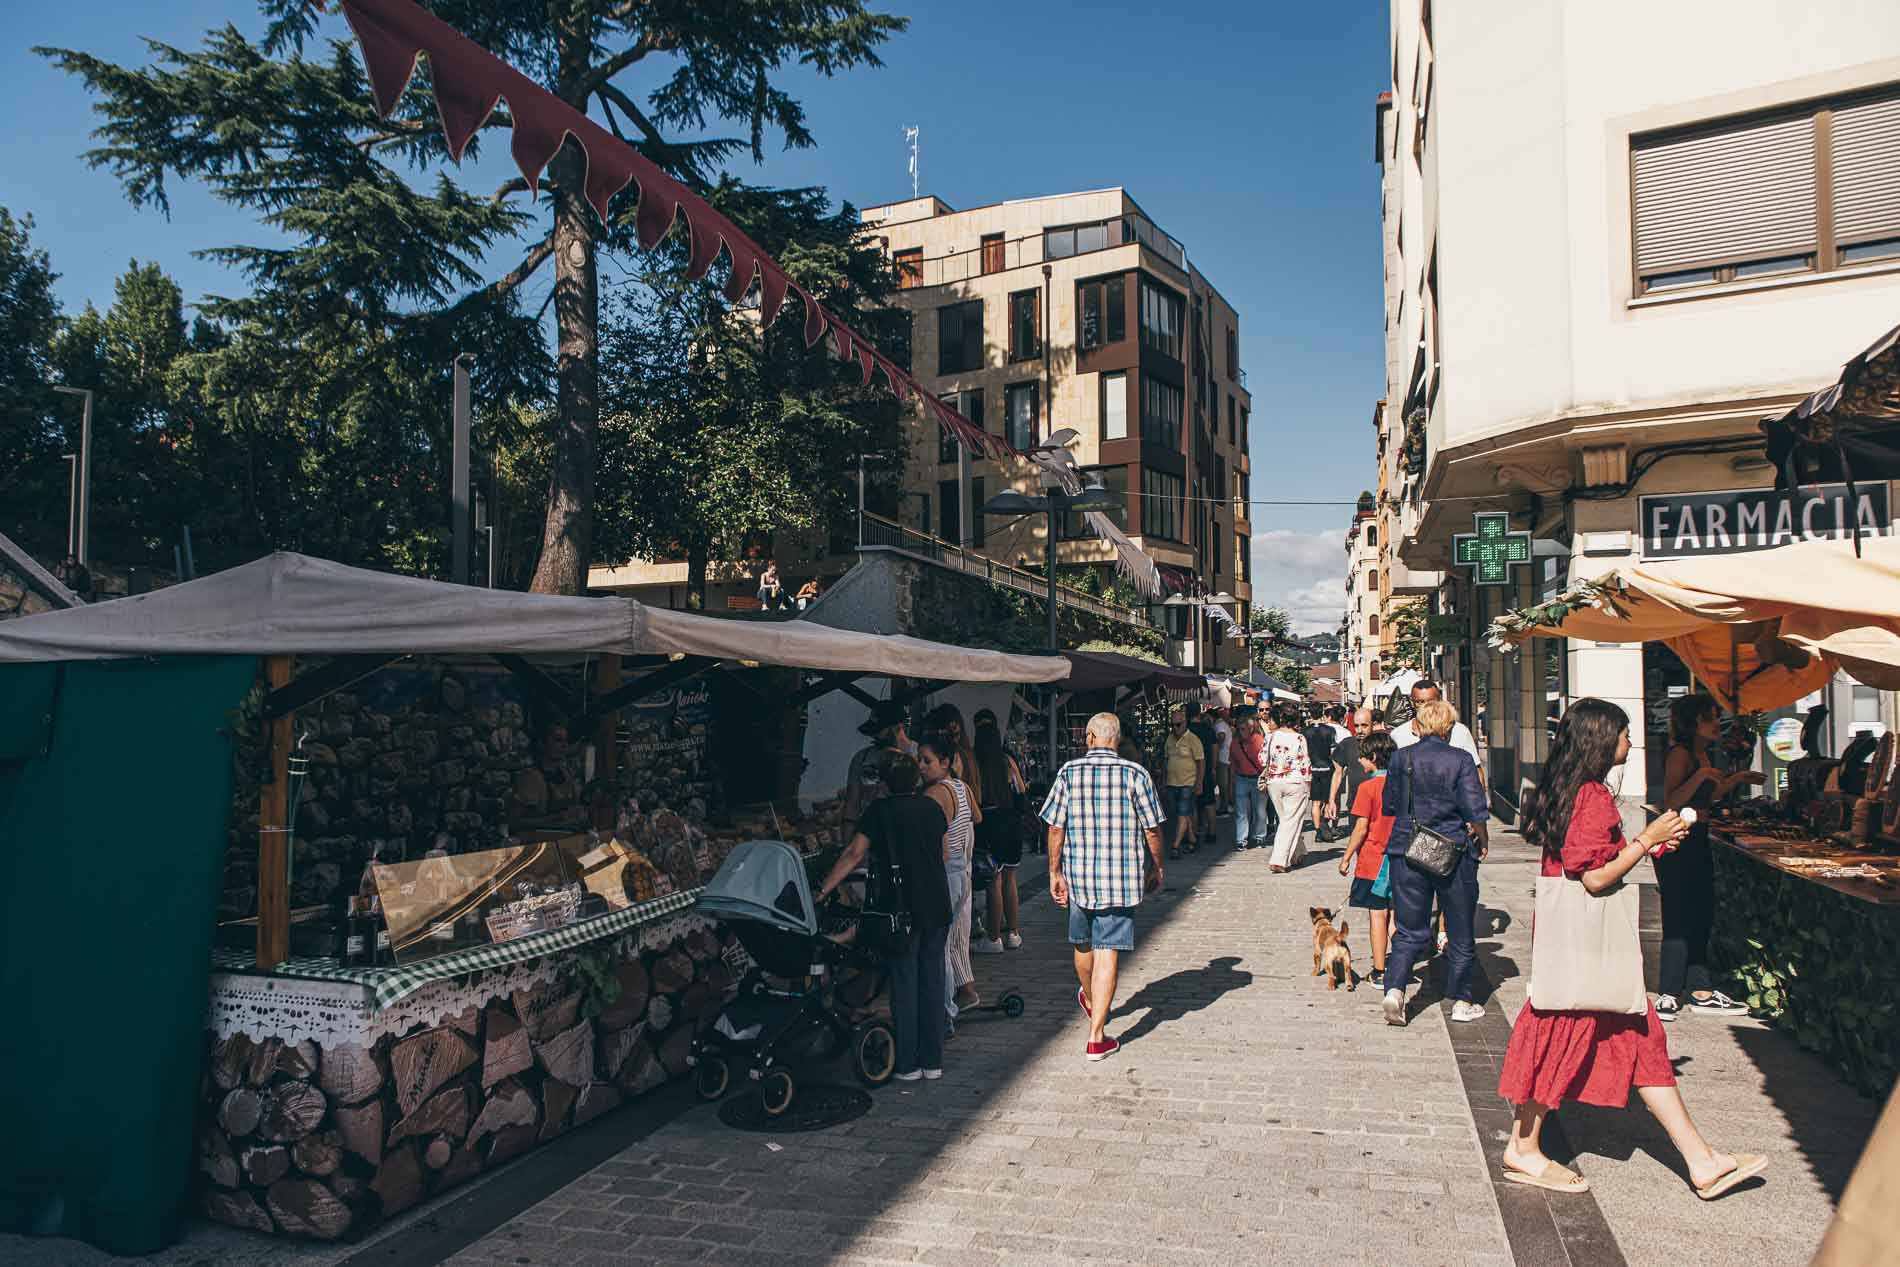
(1270,657)
(1814,961)
(967,611)
(594,968)
(33,430)
(1122,648)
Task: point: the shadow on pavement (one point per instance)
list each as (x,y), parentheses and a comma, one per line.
(1827,1122)
(1180,994)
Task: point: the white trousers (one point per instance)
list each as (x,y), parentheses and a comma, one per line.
(1292,798)
(957,972)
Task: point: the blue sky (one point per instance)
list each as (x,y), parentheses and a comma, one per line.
(1248,137)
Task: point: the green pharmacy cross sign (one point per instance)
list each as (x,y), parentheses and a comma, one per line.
(1492,549)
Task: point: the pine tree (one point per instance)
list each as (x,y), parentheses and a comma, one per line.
(32,478)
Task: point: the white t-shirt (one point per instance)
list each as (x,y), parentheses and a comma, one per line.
(1340,734)
(1223,743)
(1460,738)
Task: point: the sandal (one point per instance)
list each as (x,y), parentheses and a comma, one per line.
(1747,1166)
(1555,1178)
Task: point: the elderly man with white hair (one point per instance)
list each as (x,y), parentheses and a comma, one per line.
(1102,811)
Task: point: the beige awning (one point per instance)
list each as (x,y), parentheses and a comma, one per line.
(292,604)
(1760,630)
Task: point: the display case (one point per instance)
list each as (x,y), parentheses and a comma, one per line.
(443,903)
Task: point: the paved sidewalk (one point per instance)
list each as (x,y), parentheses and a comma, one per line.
(1251,1116)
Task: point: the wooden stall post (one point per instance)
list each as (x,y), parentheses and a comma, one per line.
(273,842)
(607,729)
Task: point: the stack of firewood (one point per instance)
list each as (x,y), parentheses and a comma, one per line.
(308,1141)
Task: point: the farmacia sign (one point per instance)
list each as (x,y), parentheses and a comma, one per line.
(1684,525)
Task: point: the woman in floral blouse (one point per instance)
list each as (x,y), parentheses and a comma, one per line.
(1287,779)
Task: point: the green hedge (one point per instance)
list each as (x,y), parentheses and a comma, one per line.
(1818,963)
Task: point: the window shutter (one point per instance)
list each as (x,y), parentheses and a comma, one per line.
(1744,192)
(1867,171)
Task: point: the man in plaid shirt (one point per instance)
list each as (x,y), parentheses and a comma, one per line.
(1099,811)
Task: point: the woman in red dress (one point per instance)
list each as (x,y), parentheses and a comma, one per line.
(1596,1057)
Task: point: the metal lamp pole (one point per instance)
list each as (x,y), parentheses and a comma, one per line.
(84,498)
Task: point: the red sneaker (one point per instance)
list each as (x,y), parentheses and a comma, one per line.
(1103,1050)
(1082,1001)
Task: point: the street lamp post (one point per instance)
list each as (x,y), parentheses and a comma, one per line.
(1055,504)
(83,498)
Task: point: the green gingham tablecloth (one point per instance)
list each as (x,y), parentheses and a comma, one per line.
(386,986)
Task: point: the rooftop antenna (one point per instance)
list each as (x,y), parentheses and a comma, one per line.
(910,134)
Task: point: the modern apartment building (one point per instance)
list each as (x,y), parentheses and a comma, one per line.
(1617,236)
(1076,312)
(1360,641)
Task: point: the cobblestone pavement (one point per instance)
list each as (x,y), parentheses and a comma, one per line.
(1251,1116)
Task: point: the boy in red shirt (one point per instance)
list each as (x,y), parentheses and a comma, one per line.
(1370,830)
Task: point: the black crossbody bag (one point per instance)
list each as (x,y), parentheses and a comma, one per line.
(1429,850)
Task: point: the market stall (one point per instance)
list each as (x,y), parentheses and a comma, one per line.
(423,858)
(1808,888)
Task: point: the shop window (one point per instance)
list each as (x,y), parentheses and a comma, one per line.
(1020,414)
(1025,325)
(992,252)
(1114,412)
(960,337)
(910,268)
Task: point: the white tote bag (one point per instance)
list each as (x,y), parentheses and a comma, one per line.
(1586,950)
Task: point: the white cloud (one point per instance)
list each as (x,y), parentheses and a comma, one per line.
(1304,572)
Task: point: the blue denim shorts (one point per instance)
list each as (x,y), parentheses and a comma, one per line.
(1181,802)
(1111,928)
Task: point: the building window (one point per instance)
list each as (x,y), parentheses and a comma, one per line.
(1220,480)
(1372,535)
(1233,355)
(910,267)
(960,337)
(1372,582)
(1115,480)
(1372,670)
(1161,311)
(1101,307)
(1025,325)
(1114,413)
(1243,430)
(1807,189)
(949,511)
(1161,495)
(1021,413)
(970,405)
(1213,547)
(1080,239)
(1372,625)
(977,499)
(1243,557)
(992,252)
(1161,413)
(1231,428)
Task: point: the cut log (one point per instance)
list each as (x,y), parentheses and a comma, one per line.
(420,1064)
(468,1020)
(399,1183)
(659,1014)
(643,1070)
(631,1003)
(446,1114)
(674,1050)
(545,1010)
(230,1058)
(350,1074)
(506,1050)
(557,1098)
(510,1142)
(291,1111)
(349,1189)
(304,1207)
(265,1164)
(216,1161)
(699,1000)
(319,1154)
(569,1055)
(509,1104)
(361,1130)
(673,971)
(612,1049)
(239,1209)
(239,1112)
(435,1154)
(595,1099)
(464,1164)
(263,1062)
(300,1060)
(701,945)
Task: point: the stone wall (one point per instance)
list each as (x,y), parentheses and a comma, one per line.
(26,588)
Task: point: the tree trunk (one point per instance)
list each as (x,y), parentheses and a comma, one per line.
(696,576)
(567,536)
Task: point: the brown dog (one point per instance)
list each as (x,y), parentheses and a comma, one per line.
(1331,956)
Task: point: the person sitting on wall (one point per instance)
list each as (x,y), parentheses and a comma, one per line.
(771,589)
(808,593)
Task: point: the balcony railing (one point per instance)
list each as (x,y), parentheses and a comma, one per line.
(879,531)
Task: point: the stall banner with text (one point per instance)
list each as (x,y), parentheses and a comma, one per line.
(1688,525)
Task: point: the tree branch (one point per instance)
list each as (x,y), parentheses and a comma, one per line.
(620,61)
(610,93)
(515,186)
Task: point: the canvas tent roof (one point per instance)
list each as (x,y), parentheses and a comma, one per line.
(1726,614)
(292,604)
(1101,670)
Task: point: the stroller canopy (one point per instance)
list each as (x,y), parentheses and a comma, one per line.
(762,881)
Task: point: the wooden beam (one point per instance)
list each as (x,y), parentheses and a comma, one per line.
(824,684)
(310,687)
(641,687)
(862,696)
(273,841)
(606,733)
(541,682)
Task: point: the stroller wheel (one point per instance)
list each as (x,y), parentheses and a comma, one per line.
(776,1090)
(874,1053)
(1012,1005)
(711,1077)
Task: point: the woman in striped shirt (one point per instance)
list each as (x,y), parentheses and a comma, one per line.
(935,756)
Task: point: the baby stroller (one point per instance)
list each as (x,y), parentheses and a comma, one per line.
(762,893)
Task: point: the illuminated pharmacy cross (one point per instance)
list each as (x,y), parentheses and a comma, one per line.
(1491,550)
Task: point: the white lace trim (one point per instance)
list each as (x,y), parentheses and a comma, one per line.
(262,1006)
